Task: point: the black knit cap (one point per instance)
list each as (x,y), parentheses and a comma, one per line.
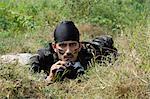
(66,31)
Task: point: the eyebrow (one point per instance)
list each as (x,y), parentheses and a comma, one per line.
(73,43)
(67,43)
(62,44)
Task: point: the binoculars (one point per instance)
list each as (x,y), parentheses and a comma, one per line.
(69,72)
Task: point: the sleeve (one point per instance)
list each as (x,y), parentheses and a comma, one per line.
(42,60)
(35,63)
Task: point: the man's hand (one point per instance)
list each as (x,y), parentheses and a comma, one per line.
(54,68)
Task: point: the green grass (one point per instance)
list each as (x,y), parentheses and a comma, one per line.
(27,25)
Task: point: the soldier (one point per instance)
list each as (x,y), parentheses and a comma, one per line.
(67,56)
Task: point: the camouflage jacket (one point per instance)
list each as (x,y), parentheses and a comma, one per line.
(99,48)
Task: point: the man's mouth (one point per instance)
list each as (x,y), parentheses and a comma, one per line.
(68,57)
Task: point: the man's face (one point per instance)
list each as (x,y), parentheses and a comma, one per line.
(67,50)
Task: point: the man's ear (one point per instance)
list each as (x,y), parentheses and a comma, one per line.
(80,46)
(54,47)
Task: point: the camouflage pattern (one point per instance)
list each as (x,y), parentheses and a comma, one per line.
(99,48)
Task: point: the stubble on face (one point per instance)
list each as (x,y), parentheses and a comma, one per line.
(67,56)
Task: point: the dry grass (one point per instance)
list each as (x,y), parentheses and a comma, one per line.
(125,79)
(122,81)
(27,25)
(91,30)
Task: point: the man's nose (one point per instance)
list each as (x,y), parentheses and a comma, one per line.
(68,54)
(68,49)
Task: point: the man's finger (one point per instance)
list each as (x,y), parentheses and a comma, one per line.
(54,70)
(61,63)
(56,67)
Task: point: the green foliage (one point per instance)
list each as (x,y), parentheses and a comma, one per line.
(117,14)
(14,21)
(113,14)
(18,17)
